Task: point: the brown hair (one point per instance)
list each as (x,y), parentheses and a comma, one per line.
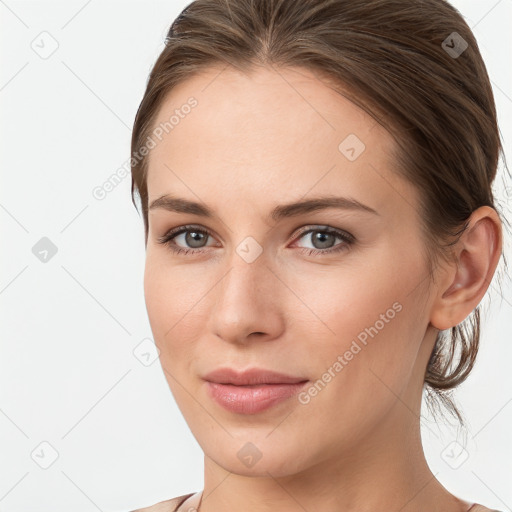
(414,66)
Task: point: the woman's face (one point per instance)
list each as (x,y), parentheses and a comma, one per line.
(349,315)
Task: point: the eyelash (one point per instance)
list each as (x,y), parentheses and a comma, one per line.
(348,239)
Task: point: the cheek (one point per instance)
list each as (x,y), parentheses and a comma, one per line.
(177,318)
(372,326)
(175,310)
(361,369)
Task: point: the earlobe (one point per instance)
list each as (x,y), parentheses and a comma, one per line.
(476,256)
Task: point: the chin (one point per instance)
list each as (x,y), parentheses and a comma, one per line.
(259,454)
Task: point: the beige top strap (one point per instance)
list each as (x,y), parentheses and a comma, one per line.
(476,507)
(191,504)
(165,506)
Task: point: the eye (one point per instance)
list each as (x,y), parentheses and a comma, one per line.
(322,238)
(193,236)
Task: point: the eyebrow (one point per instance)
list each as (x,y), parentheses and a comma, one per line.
(180,205)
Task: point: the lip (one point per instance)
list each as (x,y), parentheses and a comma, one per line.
(251,391)
(250,376)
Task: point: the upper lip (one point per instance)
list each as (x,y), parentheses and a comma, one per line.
(250,376)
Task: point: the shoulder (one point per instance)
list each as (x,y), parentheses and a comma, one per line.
(168,505)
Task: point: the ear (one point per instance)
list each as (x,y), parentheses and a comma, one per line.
(466,280)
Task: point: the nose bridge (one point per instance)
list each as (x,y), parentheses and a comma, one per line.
(248,269)
(244,301)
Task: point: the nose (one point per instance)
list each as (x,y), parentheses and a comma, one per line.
(248,303)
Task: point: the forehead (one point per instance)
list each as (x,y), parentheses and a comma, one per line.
(261,102)
(263,130)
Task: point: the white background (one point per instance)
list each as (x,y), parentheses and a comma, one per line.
(68,374)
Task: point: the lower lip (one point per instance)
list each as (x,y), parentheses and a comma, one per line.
(251,399)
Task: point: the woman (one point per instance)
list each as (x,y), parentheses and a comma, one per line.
(315,181)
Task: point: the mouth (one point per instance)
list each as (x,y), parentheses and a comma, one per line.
(251,391)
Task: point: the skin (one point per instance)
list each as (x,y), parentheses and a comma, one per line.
(253,142)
